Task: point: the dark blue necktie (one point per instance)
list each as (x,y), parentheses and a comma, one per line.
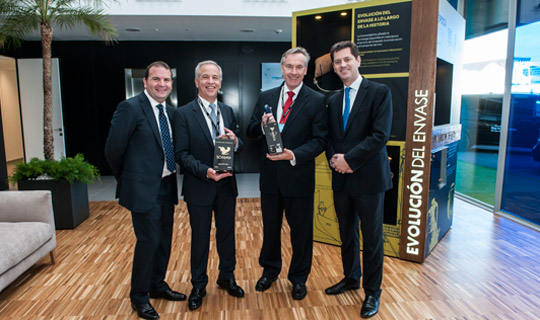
(166,139)
(347,107)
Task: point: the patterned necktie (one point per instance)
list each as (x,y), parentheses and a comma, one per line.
(286,108)
(213,118)
(166,139)
(347,107)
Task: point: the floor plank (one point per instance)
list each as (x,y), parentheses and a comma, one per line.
(484,268)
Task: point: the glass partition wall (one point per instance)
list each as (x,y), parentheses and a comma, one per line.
(482,88)
(480,118)
(521,181)
(499,155)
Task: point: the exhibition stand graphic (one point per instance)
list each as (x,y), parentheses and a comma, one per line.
(414,47)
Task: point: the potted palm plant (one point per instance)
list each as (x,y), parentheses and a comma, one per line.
(67,179)
(18,19)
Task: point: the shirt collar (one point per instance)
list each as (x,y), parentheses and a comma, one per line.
(296,90)
(153,102)
(206,103)
(356,84)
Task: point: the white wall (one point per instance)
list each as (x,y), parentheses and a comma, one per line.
(31,93)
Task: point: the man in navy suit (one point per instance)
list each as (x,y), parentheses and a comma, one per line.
(287,180)
(139,150)
(197,125)
(360,119)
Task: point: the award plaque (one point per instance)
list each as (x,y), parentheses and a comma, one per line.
(273,138)
(224,155)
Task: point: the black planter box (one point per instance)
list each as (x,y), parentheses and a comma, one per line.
(70,200)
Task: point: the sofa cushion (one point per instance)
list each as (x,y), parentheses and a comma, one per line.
(20,239)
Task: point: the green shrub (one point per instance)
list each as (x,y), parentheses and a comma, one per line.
(70,169)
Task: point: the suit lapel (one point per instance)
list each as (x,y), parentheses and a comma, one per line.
(170,112)
(338,111)
(150,116)
(224,115)
(274,101)
(358,103)
(201,120)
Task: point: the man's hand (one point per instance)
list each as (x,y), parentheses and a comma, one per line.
(340,164)
(285,155)
(267,117)
(229,134)
(212,174)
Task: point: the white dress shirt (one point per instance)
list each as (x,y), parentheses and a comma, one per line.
(283,98)
(352,93)
(206,110)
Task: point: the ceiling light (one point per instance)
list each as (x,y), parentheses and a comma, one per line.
(318,17)
(133,29)
(344,13)
(247,30)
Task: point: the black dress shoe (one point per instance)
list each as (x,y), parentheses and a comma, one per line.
(344,284)
(264,283)
(195,298)
(145,311)
(232,288)
(168,295)
(299,291)
(370,306)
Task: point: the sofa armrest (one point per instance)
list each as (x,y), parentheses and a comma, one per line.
(26,206)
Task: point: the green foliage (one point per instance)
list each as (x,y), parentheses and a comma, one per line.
(31,170)
(70,169)
(22,17)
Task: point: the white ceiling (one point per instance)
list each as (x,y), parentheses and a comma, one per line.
(187,28)
(200,20)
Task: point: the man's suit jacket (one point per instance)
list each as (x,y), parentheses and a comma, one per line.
(304,133)
(135,154)
(195,151)
(364,140)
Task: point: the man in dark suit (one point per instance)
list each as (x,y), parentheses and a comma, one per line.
(287,180)
(139,150)
(197,124)
(360,119)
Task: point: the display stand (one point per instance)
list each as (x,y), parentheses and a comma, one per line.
(411,46)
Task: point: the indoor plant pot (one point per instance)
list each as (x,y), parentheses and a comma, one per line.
(66,179)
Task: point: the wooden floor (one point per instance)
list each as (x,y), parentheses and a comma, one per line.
(484,268)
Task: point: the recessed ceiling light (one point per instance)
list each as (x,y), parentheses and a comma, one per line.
(318,17)
(247,30)
(133,29)
(344,13)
